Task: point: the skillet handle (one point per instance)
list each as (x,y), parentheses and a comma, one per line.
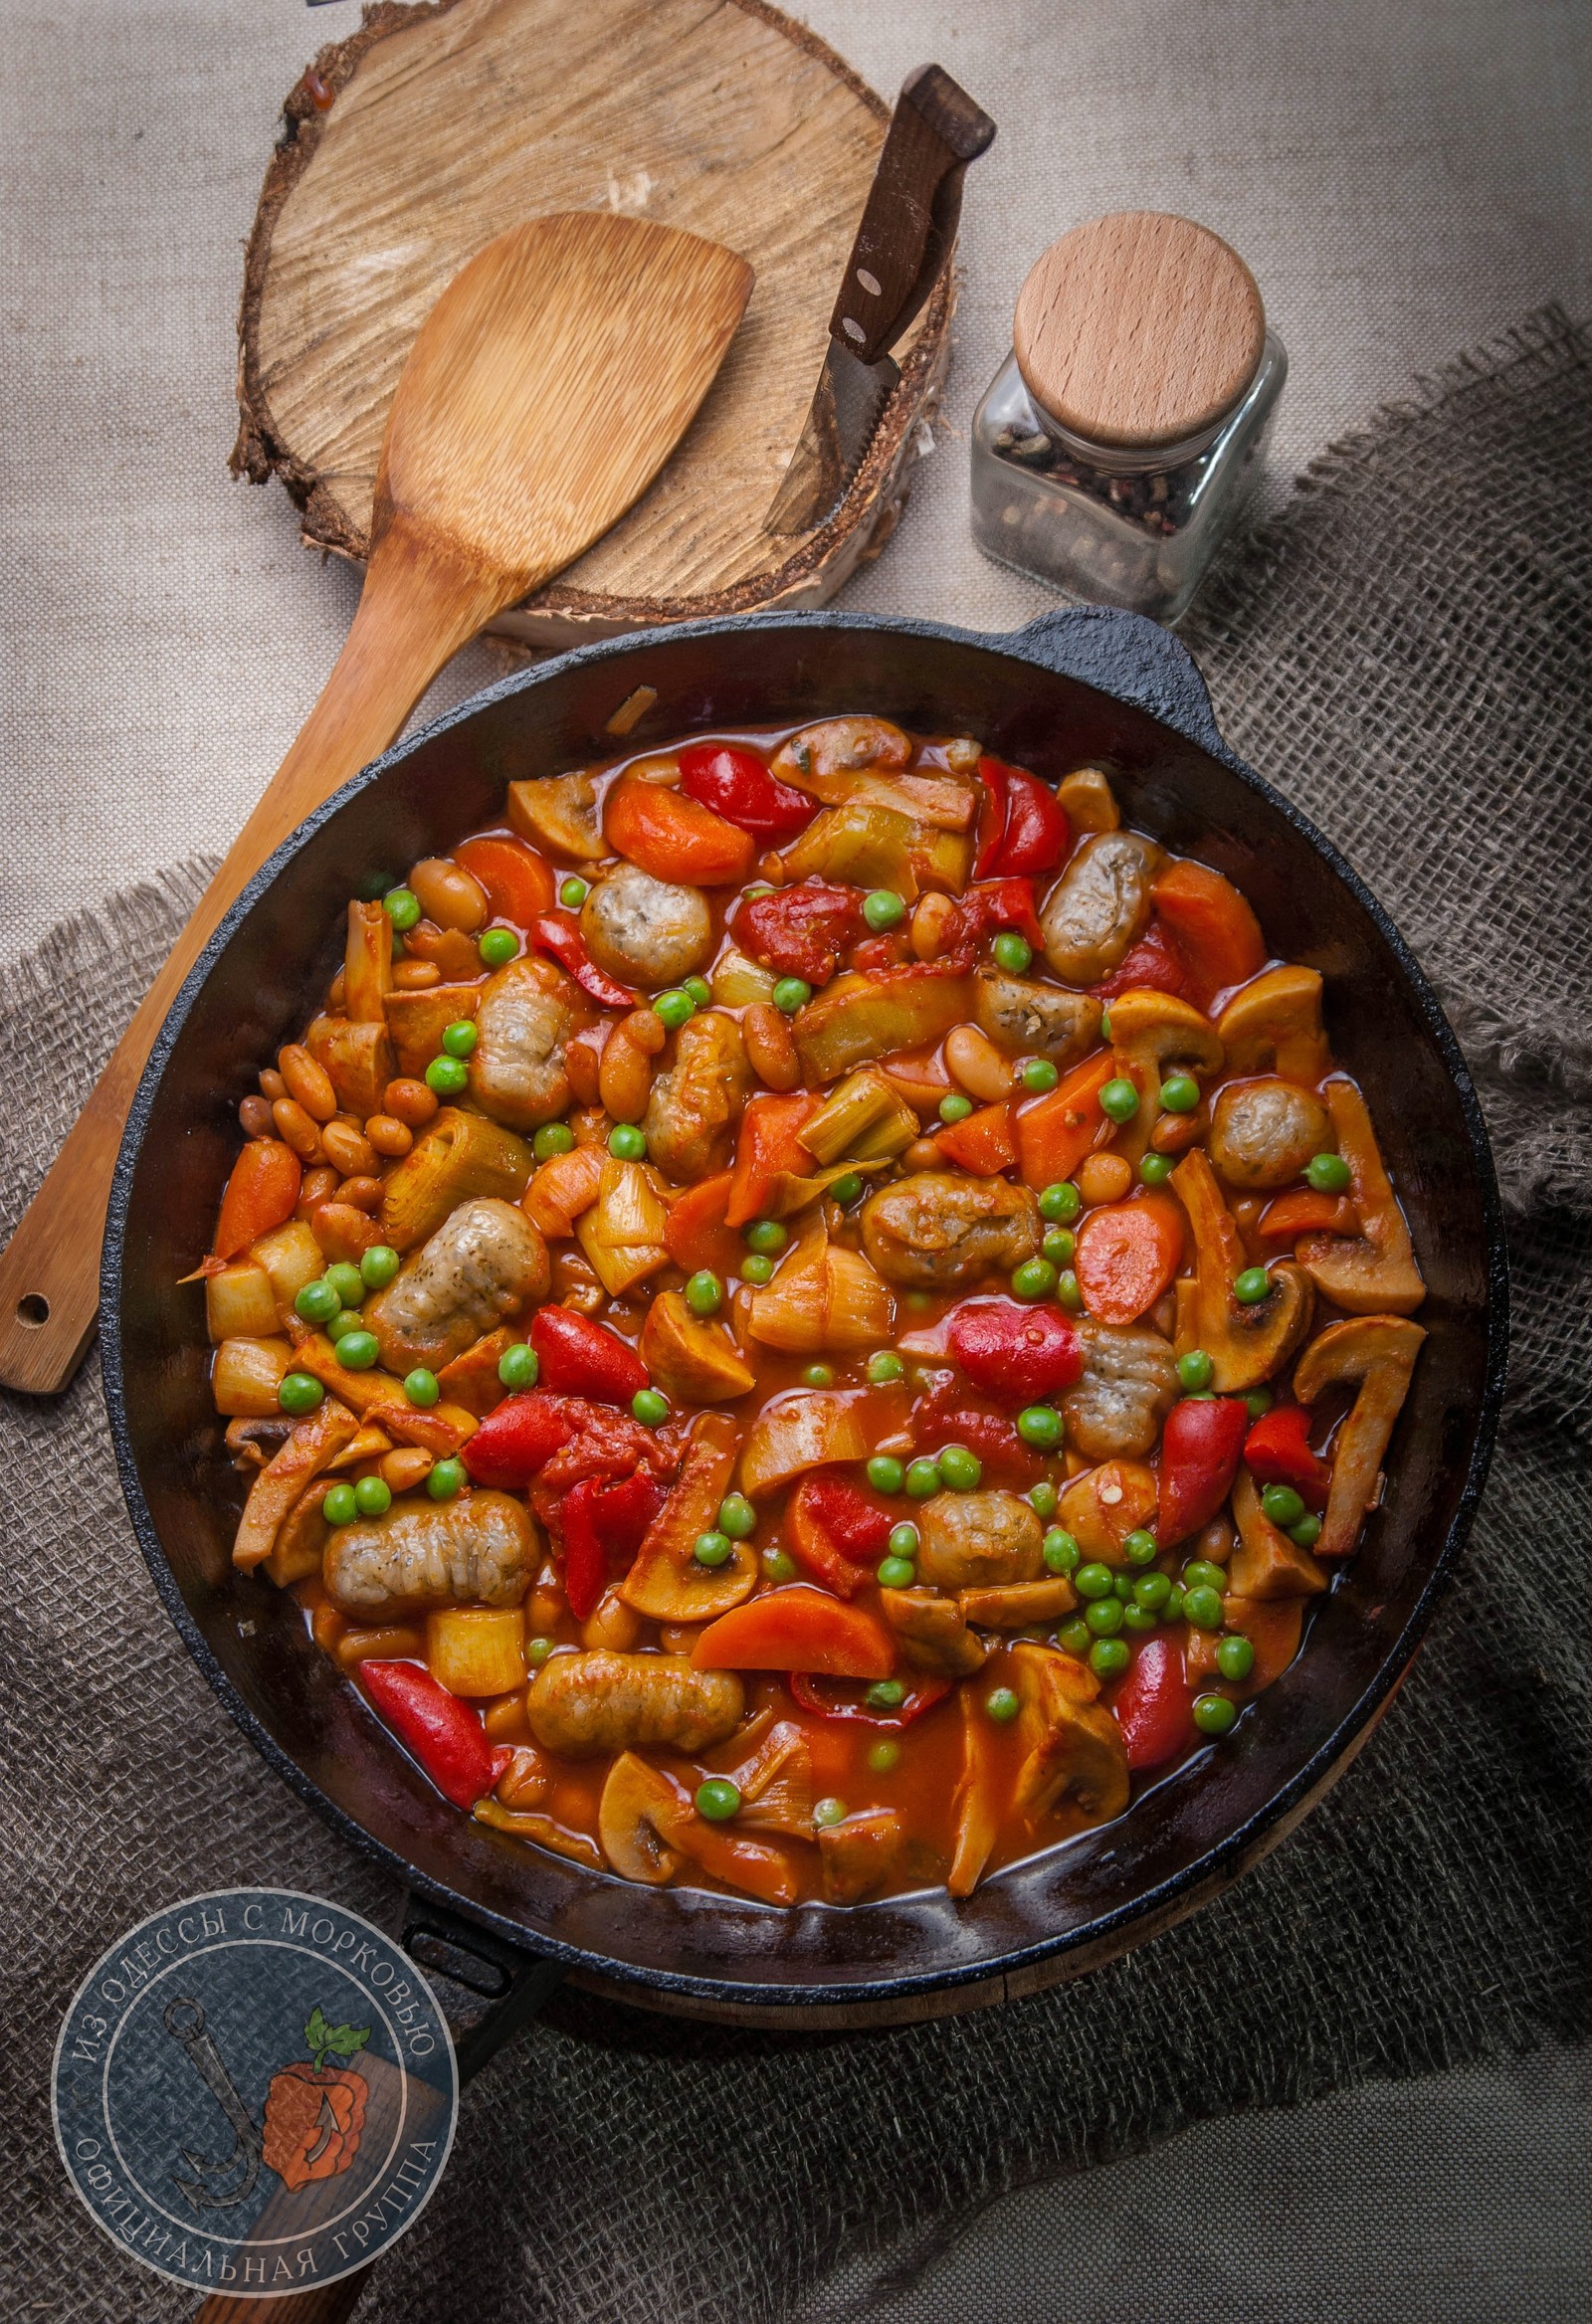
(1128,656)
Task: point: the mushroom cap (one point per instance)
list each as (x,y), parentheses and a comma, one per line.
(1273,1025)
(639,1803)
(1159,1028)
(1346,1351)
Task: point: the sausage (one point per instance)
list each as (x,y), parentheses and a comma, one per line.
(1034,1020)
(484,1262)
(478,1551)
(517,1071)
(647,931)
(842,746)
(1127,1388)
(1101,903)
(938,1229)
(695,1106)
(584,1706)
(1264,1132)
(978,1541)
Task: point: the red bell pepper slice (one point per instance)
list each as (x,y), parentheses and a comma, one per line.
(1153,964)
(1015,1354)
(823,1699)
(799,931)
(557,933)
(1154,1705)
(602,1521)
(1026,830)
(260,1194)
(435,1728)
(577,1357)
(1277,1451)
(737,785)
(992,816)
(518,1439)
(1201,1447)
(834,1531)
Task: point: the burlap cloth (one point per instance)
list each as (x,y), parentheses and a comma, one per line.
(1407,653)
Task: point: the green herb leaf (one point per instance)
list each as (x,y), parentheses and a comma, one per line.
(332,2041)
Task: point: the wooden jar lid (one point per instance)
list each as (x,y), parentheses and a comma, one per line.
(1138,329)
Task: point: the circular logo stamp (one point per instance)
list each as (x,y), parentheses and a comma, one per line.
(255,2092)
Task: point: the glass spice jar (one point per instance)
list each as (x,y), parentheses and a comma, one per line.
(1122,433)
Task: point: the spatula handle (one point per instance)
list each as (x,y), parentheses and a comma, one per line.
(322,2303)
(416,609)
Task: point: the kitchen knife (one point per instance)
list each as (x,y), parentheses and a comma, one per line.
(905,239)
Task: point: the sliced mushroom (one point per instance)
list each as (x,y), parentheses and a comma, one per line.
(1246,1344)
(860,1854)
(978,1800)
(933,1633)
(1373,1272)
(1017,1604)
(638,1803)
(1266,1564)
(1273,1026)
(1089,801)
(1376,1355)
(1151,1033)
(690,1359)
(666,1583)
(1073,1745)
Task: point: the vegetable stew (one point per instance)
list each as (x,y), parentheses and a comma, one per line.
(809,1312)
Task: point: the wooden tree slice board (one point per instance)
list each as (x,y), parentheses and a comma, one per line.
(450,122)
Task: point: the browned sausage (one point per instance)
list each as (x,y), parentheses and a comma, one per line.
(586,1705)
(478,1551)
(938,1229)
(484,1262)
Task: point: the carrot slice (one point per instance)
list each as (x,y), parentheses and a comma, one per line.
(1216,932)
(1306,1212)
(797,1628)
(983,1142)
(518,884)
(260,1194)
(1128,1256)
(676,838)
(1054,1132)
(697,1236)
(768,1146)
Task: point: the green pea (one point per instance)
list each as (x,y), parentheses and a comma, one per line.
(446,1479)
(1061,1552)
(1109,1658)
(1214,1713)
(339,1507)
(768,1236)
(1200,1574)
(1155,1169)
(1151,1591)
(717,1800)
(738,1517)
(705,1294)
(1074,1636)
(756,1267)
(1234,1657)
(1061,1203)
(1033,1279)
(317,1302)
(882,908)
(346,1281)
(1172,1611)
(378,1267)
(844,1191)
(1044,1500)
(1094,1580)
(572,892)
(956,1107)
(884,1755)
(829,1812)
(1328,1174)
(1106,1024)
(554,1137)
(627,1143)
(701,991)
(1180,1094)
(357,1351)
(1122,1588)
(1202,1606)
(1306,1533)
(922,1478)
(759,887)
(1040,1426)
(537,1652)
(1012,952)
(779,1564)
(1259,1403)
(1068,1293)
(885,1367)
(1196,1368)
(1139,1547)
(792,993)
(1060,1246)
(904,1539)
(1104,1616)
(446,1077)
(497,946)
(372,1497)
(346,1320)
(1119,1100)
(519,1366)
(1250,1288)
(1137,1619)
(897,1572)
(818,1376)
(960,1469)
(420,1386)
(1002,1704)
(886,1695)
(885,1473)
(402,907)
(651,1407)
(1038,1075)
(710,1549)
(1282,1505)
(674,1009)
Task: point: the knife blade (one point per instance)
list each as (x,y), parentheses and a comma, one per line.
(908,228)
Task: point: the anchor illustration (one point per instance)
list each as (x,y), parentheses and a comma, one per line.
(184,2021)
(314,2112)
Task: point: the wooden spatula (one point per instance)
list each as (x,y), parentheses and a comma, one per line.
(545,390)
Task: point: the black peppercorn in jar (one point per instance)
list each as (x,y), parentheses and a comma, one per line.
(1121,436)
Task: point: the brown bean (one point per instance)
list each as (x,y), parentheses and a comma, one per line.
(255,1115)
(352,1153)
(272,1085)
(405,1466)
(307,1082)
(770,1047)
(449,895)
(389,1135)
(1176,1131)
(317,1186)
(932,918)
(295,1129)
(1104,1178)
(342,1232)
(611,1623)
(923,1154)
(410,1102)
(397,1641)
(415,976)
(624,1068)
(525,1779)
(983,1071)
(583,1065)
(363,1193)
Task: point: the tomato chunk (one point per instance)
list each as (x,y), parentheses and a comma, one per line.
(834,1531)
(801,931)
(1015,1354)
(797,1628)
(580,1358)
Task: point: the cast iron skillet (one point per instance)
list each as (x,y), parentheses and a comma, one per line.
(1093,685)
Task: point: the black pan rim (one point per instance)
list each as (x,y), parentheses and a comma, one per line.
(1228,1856)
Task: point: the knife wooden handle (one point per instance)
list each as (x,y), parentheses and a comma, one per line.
(910,223)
